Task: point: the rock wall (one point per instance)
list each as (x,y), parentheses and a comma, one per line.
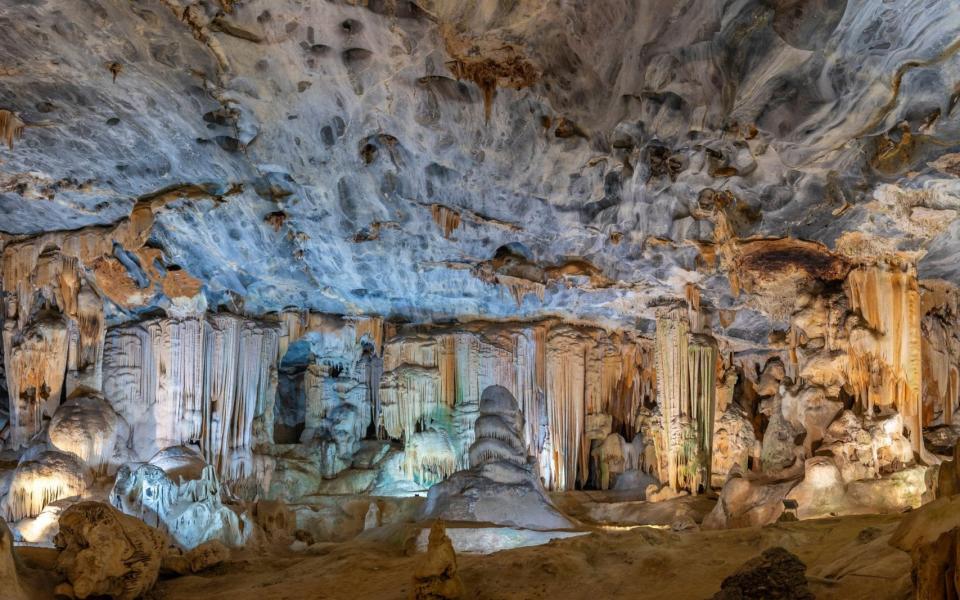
(840,397)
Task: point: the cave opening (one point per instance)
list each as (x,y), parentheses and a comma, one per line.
(291,403)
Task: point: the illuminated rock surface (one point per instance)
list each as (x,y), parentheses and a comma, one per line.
(263,261)
(501,486)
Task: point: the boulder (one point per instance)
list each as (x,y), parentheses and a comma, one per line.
(275,519)
(776,573)
(9,567)
(104,552)
(204,556)
(821,493)
(747,501)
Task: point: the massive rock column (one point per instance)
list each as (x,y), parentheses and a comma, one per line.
(686,396)
(885,356)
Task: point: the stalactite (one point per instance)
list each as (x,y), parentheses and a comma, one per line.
(37,482)
(702,371)
(35,360)
(636,385)
(520,287)
(885,367)
(941,370)
(447,361)
(371,330)
(940,337)
(86,348)
(446,218)
(193,380)
(529,352)
(565,400)
(408,395)
(239,355)
(177,354)
(222,346)
(429,458)
(686,384)
(694,314)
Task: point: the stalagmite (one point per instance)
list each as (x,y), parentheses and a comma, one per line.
(435,577)
(501,486)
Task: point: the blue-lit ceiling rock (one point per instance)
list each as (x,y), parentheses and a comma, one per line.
(448,159)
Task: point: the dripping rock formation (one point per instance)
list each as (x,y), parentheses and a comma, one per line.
(286,281)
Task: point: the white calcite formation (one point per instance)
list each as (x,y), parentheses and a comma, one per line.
(686,398)
(501,486)
(191,379)
(43,478)
(280,250)
(88,427)
(565,380)
(178,493)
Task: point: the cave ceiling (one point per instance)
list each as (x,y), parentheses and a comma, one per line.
(452,159)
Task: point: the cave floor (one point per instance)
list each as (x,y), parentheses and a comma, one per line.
(846,557)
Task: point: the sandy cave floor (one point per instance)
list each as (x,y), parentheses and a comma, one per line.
(643,562)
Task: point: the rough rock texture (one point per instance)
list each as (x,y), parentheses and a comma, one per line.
(290,179)
(106,553)
(204,556)
(275,519)
(502,486)
(775,574)
(747,501)
(702,244)
(934,571)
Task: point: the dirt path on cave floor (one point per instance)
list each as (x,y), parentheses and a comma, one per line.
(638,563)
